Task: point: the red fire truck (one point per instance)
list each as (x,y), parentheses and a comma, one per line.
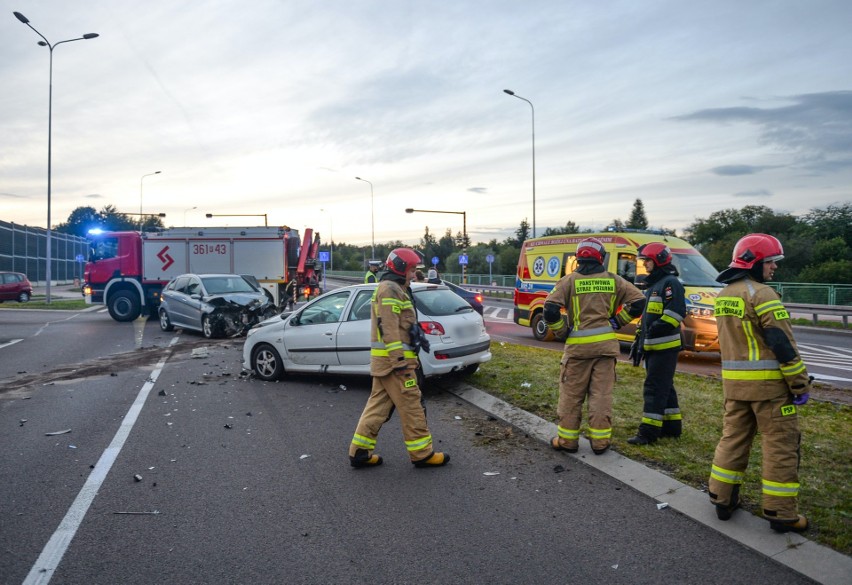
(127,270)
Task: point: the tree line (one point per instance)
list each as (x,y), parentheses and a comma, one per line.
(817,245)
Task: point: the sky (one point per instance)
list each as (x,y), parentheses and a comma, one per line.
(274,107)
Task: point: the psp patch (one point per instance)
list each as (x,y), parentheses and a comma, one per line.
(788,410)
(413,382)
(781,314)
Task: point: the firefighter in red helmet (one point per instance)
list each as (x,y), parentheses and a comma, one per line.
(764,382)
(595,302)
(659,340)
(396,339)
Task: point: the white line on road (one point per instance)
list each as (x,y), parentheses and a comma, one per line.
(10,342)
(54,550)
(46,325)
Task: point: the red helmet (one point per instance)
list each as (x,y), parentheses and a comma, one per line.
(657,252)
(755,248)
(401,260)
(591,248)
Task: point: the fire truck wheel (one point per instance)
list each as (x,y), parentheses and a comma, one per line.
(540,329)
(165,322)
(266,363)
(207,328)
(124,306)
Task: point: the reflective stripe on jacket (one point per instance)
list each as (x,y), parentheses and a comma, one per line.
(590,300)
(666,307)
(745,310)
(391,320)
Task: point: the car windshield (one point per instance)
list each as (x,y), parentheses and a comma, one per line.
(222,285)
(695,270)
(438,302)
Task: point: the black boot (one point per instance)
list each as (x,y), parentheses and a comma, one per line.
(360,459)
(724,512)
(640,439)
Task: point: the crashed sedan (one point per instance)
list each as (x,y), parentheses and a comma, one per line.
(217,305)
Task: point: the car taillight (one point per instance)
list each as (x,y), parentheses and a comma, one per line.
(432,328)
(478,298)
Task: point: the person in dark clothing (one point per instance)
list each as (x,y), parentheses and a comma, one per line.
(660,342)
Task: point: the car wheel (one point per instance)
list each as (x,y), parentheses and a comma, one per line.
(124,306)
(540,329)
(266,363)
(207,327)
(165,322)
(24,297)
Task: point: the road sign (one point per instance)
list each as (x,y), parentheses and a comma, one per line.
(435,260)
(463,259)
(324,256)
(489,258)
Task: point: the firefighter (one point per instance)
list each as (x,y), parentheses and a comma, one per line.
(595,301)
(659,336)
(764,382)
(395,338)
(372,270)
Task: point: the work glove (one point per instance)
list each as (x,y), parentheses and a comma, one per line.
(614,322)
(801,399)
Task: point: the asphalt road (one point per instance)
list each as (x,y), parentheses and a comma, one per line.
(250,481)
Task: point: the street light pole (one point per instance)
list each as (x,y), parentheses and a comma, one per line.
(46,43)
(464,230)
(512,93)
(140,195)
(372,218)
(184,214)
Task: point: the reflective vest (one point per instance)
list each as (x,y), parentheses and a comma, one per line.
(667,305)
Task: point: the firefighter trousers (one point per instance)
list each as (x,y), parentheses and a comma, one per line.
(661,413)
(595,378)
(777,422)
(391,392)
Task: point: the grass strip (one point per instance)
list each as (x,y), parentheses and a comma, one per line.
(826,496)
(55,304)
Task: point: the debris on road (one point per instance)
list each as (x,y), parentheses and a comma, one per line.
(152,513)
(304,456)
(558,469)
(490,473)
(137,477)
(53,434)
(662,505)
(200,352)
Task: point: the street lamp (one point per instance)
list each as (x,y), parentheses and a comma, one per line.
(512,93)
(464,230)
(263,215)
(140,188)
(184,214)
(46,43)
(372,218)
(331,236)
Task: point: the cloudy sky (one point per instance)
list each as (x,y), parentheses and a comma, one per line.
(276,106)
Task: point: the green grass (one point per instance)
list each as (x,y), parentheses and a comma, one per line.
(39,303)
(826,496)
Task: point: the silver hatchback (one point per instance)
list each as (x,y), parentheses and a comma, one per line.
(217,305)
(331,335)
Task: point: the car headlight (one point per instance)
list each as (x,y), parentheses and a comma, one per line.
(700,312)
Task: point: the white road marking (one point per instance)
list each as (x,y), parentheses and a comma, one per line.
(10,342)
(54,550)
(46,325)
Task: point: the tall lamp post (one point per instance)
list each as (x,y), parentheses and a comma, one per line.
(464,230)
(46,43)
(263,215)
(140,189)
(184,214)
(513,94)
(372,218)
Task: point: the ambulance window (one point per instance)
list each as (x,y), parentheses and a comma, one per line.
(626,266)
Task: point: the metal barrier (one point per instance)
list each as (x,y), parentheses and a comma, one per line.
(816,310)
(23,249)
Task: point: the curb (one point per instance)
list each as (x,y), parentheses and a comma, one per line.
(812,560)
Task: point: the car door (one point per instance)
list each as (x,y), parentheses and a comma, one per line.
(7,287)
(311,335)
(353,335)
(174,306)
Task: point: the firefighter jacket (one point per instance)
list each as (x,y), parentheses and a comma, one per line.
(392,317)
(590,300)
(664,311)
(760,360)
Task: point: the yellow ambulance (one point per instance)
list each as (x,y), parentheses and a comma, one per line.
(545,260)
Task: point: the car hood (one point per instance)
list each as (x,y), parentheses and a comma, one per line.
(239,299)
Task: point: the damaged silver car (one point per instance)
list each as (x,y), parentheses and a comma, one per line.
(217,305)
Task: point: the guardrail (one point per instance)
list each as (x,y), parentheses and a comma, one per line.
(841,311)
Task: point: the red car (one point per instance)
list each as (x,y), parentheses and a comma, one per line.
(15,286)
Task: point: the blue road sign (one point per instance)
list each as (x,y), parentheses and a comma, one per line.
(462,259)
(324,256)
